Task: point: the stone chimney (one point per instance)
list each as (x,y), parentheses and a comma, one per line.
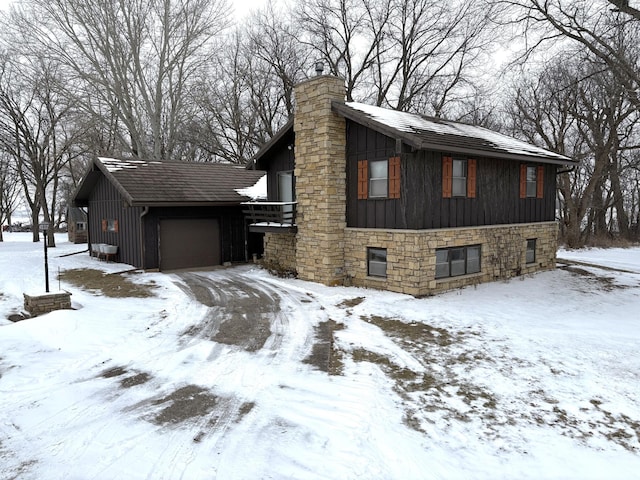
(320,172)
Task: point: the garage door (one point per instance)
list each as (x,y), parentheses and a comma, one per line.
(189,243)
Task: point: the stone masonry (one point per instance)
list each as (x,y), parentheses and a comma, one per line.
(320,173)
(411,257)
(45,303)
(280,251)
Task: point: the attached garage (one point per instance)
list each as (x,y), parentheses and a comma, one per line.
(189,243)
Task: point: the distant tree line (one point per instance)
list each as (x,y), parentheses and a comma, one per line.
(181,80)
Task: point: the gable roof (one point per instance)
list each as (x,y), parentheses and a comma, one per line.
(432,133)
(153,183)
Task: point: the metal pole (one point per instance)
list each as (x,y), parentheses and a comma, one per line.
(46,262)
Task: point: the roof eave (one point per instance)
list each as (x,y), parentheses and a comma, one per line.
(496,154)
(158,204)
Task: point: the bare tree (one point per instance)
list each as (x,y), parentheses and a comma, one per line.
(433,48)
(411,55)
(272,41)
(226,121)
(612,35)
(34,133)
(246,94)
(573,107)
(132,61)
(9,191)
(346,34)
(623,6)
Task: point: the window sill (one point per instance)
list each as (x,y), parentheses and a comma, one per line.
(376,279)
(458,277)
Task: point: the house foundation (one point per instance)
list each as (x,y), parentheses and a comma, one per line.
(280,251)
(411,255)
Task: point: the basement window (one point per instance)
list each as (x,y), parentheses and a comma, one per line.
(377,262)
(531,250)
(453,262)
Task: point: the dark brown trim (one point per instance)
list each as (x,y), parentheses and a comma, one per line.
(394,177)
(363,179)
(540,182)
(471,177)
(447,177)
(523,181)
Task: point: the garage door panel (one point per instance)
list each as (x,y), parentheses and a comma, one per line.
(189,243)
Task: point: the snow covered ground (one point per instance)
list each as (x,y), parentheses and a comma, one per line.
(533,378)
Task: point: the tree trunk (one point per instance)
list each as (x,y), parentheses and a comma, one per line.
(618,201)
(35,225)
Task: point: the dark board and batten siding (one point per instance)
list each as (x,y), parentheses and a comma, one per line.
(106,203)
(421,204)
(366,144)
(280,160)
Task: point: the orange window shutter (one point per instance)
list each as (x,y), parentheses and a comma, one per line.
(115,225)
(540,182)
(394,177)
(447,177)
(363,180)
(104,225)
(471,178)
(523,181)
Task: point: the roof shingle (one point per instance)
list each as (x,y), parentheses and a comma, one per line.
(152,183)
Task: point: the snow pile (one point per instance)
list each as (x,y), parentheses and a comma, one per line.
(258,191)
(533,378)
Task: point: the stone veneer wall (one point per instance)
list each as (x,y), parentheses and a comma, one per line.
(280,251)
(320,173)
(411,259)
(46,302)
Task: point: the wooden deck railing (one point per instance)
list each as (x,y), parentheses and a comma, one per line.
(270,216)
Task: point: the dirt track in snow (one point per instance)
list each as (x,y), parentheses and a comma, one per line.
(241,314)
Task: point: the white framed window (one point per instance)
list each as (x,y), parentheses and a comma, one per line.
(81,226)
(459,178)
(377,262)
(532,181)
(531,250)
(453,262)
(378,178)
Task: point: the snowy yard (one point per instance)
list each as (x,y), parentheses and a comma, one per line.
(235,374)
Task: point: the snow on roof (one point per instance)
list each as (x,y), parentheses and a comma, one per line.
(416,124)
(115,164)
(257,191)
